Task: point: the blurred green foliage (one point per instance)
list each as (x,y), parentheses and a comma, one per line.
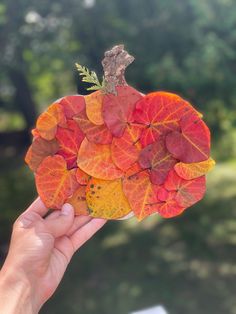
(184,46)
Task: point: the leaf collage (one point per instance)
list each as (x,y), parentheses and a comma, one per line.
(110,155)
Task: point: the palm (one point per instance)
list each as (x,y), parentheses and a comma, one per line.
(48,244)
(58,252)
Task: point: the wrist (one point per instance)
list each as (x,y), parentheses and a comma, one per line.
(16,293)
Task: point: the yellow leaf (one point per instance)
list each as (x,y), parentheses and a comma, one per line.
(106,199)
(195,169)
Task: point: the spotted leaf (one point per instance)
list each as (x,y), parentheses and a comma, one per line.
(106,199)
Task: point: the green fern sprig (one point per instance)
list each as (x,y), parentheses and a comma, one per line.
(90,77)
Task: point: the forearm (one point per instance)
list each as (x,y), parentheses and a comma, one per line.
(16,295)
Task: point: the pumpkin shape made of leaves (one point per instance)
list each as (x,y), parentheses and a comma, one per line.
(115,153)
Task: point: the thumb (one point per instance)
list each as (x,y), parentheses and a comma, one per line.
(59,225)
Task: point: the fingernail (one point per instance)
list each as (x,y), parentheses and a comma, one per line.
(66,209)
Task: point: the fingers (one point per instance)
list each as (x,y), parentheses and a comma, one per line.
(59,225)
(38,207)
(26,219)
(86,232)
(53,215)
(79,222)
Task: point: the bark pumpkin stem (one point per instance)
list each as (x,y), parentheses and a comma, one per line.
(114,65)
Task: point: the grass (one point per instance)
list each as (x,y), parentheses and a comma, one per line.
(187,264)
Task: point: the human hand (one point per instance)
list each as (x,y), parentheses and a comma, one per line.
(39,253)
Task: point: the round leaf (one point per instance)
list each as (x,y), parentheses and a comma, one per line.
(78,201)
(161,113)
(106,199)
(192,143)
(189,192)
(69,140)
(95,160)
(94,107)
(118,109)
(54,182)
(157,158)
(194,170)
(40,149)
(98,134)
(72,105)
(140,192)
(125,149)
(47,122)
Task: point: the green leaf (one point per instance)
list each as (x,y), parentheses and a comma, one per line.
(90,77)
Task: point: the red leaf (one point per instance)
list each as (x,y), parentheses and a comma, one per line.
(189,192)
(157,158)
(192,144)
(160,112)
(170,207)
(125,149)
(54,182)
(40,149)
(118,109)
(69,140)
(72,105)
(162,194)
(98,134)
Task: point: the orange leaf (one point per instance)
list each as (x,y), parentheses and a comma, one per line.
(106,199)
(95,160)
(82,177)
(194,170)
(35,132)
(125,149)
(54,182)
(47,122)
(78,201)
(40,149)
(140,192)
(94,107)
